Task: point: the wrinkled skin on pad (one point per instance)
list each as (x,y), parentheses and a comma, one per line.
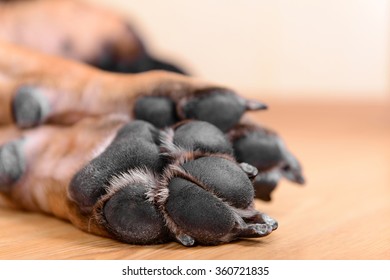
(258,149)
(213,108)
(224,178)
(160,111)
(133,219)
(198,213)
(203,136)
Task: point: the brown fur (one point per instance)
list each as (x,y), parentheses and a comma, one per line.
(68,35)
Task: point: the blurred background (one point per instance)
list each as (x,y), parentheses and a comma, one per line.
(280,49)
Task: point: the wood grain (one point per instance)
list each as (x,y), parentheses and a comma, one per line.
(342,213)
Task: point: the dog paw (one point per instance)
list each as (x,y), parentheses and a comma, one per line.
(218,106)
(143,186)
(202,195)
(149,186)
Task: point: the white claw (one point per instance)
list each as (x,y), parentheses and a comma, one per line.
(185,239)
(270,221)
(262,229)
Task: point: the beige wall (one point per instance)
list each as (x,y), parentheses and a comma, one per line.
(305,48)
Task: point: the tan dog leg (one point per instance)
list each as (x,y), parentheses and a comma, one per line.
(45,89)
(80,31)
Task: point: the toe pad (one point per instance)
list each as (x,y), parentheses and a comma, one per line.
(30,107)
(12,164)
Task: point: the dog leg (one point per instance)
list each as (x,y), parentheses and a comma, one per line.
(44,89)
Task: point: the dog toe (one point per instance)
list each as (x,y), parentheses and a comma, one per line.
(12,163)
(30,107)
(159,111)
(202,136)
(133,219)
(219,106)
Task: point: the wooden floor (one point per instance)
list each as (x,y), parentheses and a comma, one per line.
(342,213)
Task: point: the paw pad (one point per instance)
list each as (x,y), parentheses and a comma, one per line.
(30,107)
(12,164)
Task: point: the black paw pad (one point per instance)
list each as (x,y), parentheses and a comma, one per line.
(291,169)
(250,170)
(159,111)
(133,219)
(218,106)
(258,148)
(198,213)
(265,183)
(29,106)
(265,150)
(203,136)
(12,164)
(224,178)
(133,147)
(264,188)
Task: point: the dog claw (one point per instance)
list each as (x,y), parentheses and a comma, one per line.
(185,240)
(261,229)
(250,170)
(254,105)
(255,230)
(269,221)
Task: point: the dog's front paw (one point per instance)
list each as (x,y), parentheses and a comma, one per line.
(201,196)
(135,183)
